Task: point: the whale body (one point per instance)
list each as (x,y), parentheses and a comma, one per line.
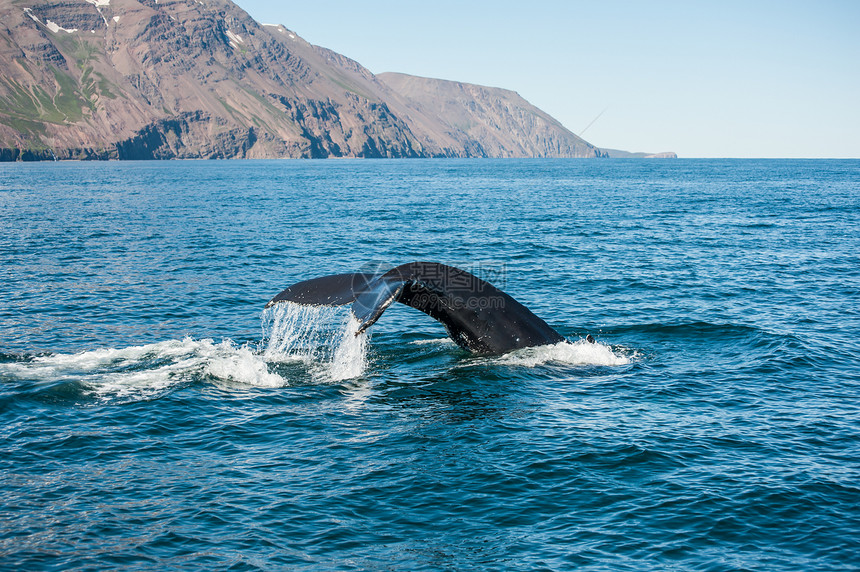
(478,316)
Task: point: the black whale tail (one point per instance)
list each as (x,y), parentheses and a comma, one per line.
(478,316)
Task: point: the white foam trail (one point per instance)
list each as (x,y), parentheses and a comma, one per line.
(322,340)
(243,366)
(322,337)
(435,342)
(147,371)
(51,366)
(577,353)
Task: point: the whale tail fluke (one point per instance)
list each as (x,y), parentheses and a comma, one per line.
(370,304)
(478,316)
(334,290)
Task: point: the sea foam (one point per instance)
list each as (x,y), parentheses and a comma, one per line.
(150,370)
(301,344)
(580,352)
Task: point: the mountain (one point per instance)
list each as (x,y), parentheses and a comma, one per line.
(485,121)
(618,154)
(160,79)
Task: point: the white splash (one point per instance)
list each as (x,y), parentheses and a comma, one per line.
(148,371)
(324,338)
(434,342)
(576,353)
(244,367)
(350,353)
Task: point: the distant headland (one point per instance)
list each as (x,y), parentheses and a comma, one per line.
(140,79)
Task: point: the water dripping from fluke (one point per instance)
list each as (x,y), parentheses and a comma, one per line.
(324,339)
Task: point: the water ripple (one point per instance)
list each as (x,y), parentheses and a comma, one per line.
(151,418)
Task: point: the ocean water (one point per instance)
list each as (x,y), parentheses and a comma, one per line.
(154,417)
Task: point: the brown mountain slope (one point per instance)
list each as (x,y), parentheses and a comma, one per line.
(484,121)
(140,79)
(137,79)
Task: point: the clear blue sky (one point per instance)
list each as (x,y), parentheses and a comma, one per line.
(703,79)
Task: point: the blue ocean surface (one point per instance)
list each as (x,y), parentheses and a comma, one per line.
(154,416)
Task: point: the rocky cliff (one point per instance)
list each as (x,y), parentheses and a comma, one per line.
(484,121)
(159,79)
